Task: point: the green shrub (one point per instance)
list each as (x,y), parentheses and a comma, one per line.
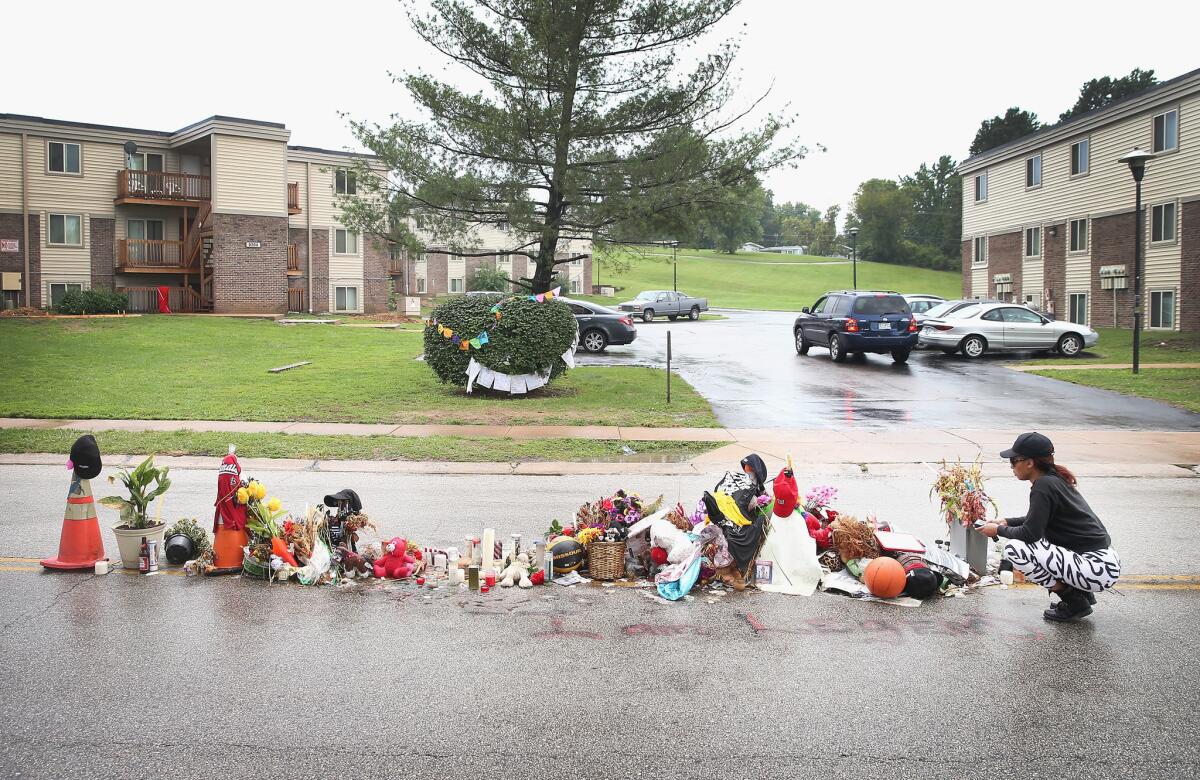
(529,338)
(92,302)
(489,280)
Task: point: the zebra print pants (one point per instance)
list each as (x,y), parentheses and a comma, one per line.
(1046,564)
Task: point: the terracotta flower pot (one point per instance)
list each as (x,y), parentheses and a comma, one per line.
(129,542)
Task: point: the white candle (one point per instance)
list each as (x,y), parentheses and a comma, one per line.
(488,552)
(439,561)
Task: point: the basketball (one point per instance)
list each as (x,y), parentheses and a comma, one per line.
(885,577)
(568,555)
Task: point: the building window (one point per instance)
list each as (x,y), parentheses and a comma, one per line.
(1162,309)
(66,230)
(981,188)
(1033,171)
(57,291)
(144,161)
(62,157)
(345,298)
(980,256)
(1079,157)
(344,182)
(1078,304)
(1079,236)
(1033,242)
(574,286)
(1162,222)
(456,284)
(345,242)
(420,284)
(1166,131)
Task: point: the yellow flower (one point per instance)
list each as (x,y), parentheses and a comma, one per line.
(273,504)
(243,495)
(260,490)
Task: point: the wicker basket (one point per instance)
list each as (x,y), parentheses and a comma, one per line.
(606,560)
(254,569)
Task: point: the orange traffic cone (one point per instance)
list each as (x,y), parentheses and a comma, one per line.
(80,545)
(227,549)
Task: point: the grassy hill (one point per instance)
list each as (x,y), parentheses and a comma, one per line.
(761,280)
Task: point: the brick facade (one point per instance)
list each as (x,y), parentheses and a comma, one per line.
(966,268)
(249,280)
(1112,244)
(1054,269)
(376,271)
(103,252)
(11,228)
(1189,270)
(320,271)
(1004,257)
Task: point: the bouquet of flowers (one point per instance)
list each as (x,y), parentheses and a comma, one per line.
(960,490)
(612,516)
(817,501)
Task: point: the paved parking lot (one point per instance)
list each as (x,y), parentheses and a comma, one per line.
(747,367)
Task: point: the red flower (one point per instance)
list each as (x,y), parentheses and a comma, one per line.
(658,555)
(607,505)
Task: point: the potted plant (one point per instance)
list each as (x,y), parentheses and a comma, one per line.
(186,540)
(145,483)
(964,503)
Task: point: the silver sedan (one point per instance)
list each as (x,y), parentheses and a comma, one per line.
(1004,326)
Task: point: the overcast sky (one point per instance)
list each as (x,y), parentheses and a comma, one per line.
(883,86)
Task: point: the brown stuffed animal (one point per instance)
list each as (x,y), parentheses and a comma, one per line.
(353,564)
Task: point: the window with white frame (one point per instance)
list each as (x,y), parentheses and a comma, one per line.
(1162,309)
(63,157)
(1162,222)
(65,230)
(503,260)
(1033,171)
(1079,157)
(980,255)
(345,242)
(344,182)
(420,284)
(345,298)
(457,284)
(575,286)
(1079,235)
(1033,242)
(57,291)
(981,187)
(577,262)
(1166,131)
(1078,308)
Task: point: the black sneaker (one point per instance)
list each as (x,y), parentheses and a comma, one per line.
(1074,605)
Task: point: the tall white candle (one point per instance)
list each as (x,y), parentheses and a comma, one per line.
(488,553)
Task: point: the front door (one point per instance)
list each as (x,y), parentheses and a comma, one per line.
(1024,329)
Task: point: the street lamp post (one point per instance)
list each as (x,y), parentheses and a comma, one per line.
(674,266)
(1136,160)
(853,233)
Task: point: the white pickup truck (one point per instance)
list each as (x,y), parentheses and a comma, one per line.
(658,303)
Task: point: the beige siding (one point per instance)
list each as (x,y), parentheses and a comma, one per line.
(347,281)
(1107,187)
(345,266)
(296,175)
(249,176)
(324,213)
(65,263)
(92,191)
(1163,260)
(979,281)
(10,171)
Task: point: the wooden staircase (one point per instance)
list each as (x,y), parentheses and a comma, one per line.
(197,250)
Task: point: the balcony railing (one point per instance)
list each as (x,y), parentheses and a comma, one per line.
(294,198)
(159,185)
(396,266)
(144,300)
(297,298)
(293,257)
(141,253)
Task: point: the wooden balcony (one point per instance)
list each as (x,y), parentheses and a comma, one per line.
(157,188)
(135,255)
(144,300)
(294,198)
(297,299)
(396,266)
(293,260)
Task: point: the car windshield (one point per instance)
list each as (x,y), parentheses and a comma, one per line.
(646,296)
(880,304)
(967,311)
(940,309)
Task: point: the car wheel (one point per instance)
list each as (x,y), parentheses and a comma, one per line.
(648,315)
(801,343)
(1070,345)
(949,351)
(594,341)
(694,314)
(836,353)
(672,317)
(900,355)
(974,346)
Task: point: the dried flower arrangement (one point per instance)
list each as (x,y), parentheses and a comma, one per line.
(959,488)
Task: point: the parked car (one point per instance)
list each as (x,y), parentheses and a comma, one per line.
(599,326)
(656,303)
(857,321)
(920,303)
(986,327)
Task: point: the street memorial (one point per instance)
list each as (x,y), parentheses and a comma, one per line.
(745,532)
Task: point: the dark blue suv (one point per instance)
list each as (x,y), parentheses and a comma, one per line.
(857,321)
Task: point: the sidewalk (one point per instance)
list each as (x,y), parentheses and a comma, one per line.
(1101,366)
(1091,452)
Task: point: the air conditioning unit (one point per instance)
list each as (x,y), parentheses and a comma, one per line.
(1112,270)
(1112,277)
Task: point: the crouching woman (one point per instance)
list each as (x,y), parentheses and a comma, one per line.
(1059,544)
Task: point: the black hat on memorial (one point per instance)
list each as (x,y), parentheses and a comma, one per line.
(85,457)
(1030,445)
(346,494)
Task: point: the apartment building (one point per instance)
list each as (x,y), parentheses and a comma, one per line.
(222,213)
(1049,220)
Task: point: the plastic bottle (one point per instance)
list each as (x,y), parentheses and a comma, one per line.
(144,557)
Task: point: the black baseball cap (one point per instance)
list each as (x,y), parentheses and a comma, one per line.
(1030,445)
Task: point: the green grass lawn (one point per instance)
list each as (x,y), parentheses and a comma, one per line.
(214,368)
(425,448)
(759,280)
(1177,386)
(1116,346)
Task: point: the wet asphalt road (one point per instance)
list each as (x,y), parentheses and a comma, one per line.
(128,676)
(748,369)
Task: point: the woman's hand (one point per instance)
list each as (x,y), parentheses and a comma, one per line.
(988,530)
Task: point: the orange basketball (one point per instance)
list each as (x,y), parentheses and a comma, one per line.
(885,578)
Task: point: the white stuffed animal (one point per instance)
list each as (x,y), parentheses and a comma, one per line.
(517,573)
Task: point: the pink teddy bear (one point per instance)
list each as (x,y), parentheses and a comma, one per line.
(395,562)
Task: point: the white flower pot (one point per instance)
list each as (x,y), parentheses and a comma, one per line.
(129,542)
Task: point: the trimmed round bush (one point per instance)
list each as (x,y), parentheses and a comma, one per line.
(529,338)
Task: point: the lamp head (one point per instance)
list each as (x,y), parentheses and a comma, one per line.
(1136,160)
(852,232)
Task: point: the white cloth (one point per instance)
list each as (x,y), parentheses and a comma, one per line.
(792,552)
(513,384)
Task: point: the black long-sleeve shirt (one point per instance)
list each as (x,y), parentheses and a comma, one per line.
(1058,513)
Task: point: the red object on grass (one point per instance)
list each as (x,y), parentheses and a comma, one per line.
(163,306)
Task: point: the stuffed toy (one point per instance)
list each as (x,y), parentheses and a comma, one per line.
(395,563)
(736,506)
(821,534)
(517,573)
(353,564)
